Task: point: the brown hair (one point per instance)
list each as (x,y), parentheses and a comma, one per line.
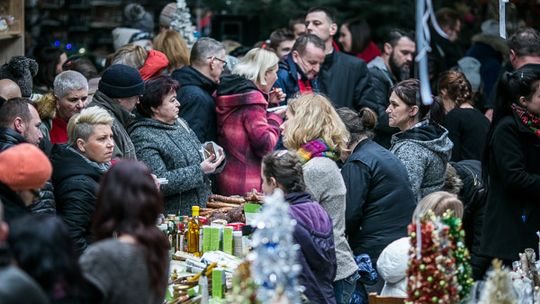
(286,168)
(174,47)
(359,124)
(457,87)
(129,202)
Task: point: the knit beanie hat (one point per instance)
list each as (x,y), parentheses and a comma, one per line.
(21,70)
(24,167)
(166,15)
(121,81)
(137,17)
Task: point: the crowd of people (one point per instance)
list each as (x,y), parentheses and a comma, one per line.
(89,160)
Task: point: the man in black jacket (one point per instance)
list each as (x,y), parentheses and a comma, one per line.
(19,123)
(198,82)
(386,70)
(343,78)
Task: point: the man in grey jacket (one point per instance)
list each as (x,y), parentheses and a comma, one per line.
(118,92)
(386,70)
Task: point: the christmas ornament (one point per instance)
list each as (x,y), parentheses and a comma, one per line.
(274,268)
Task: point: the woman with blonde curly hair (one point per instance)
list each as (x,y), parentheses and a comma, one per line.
(246,131)
(171,44)
(467,127)
(314,130)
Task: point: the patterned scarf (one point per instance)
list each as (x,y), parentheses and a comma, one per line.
(531,121)
(315,148)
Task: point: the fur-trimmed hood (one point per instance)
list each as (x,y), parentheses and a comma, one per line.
(495,42)
(46,106)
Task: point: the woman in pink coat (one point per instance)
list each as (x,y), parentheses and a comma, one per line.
(246,131)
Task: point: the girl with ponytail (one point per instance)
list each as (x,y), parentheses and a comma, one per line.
(512,168)
(379,199)
(128,262)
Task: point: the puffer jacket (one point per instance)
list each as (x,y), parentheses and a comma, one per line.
(76,183)
(392,267)
(425,150)
(313,232)
(173,152)
(46,202)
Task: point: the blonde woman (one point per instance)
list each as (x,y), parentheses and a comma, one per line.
(246,131)
(171,44)
(314,130)
(393,261)
(78,167)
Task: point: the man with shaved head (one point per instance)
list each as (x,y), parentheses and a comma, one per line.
(9,89)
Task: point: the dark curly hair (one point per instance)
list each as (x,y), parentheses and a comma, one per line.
(155,89)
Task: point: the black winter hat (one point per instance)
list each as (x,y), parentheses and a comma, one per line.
(121,81)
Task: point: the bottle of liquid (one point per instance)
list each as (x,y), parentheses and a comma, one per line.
(193,232)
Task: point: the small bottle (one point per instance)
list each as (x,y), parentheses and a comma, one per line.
(193,232)
(172,232)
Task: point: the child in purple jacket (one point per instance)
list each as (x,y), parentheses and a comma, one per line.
(313,230)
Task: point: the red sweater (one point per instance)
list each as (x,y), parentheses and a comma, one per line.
(58,131)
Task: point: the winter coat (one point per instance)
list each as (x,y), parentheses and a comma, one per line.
(392,267)
(382,82)
(468,130)
(173,152)
(123,147)
(345,80)
(246,131)
(490,51)
(425,150)
(313,232)
(15,285)
(326,185)
(473,195)
(76,183)
(512,214)
(380,201)
(444,55)
(46,202)
(14,207)
(288,78)
(197,107)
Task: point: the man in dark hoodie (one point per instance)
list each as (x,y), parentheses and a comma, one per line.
(198,82)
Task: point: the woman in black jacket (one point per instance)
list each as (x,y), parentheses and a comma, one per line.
(512,214)
(380,201)
(78,166)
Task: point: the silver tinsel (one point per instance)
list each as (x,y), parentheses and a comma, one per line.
(181,23)
(273,259)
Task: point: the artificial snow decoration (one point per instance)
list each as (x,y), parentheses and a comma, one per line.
(181,23)
(274,268)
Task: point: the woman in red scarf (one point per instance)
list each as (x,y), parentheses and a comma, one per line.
(512,163)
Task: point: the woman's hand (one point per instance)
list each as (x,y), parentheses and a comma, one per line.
(209,165)
(276,95)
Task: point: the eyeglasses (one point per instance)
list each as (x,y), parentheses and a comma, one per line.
(218,59)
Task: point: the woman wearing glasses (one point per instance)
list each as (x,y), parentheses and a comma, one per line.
(246,130)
